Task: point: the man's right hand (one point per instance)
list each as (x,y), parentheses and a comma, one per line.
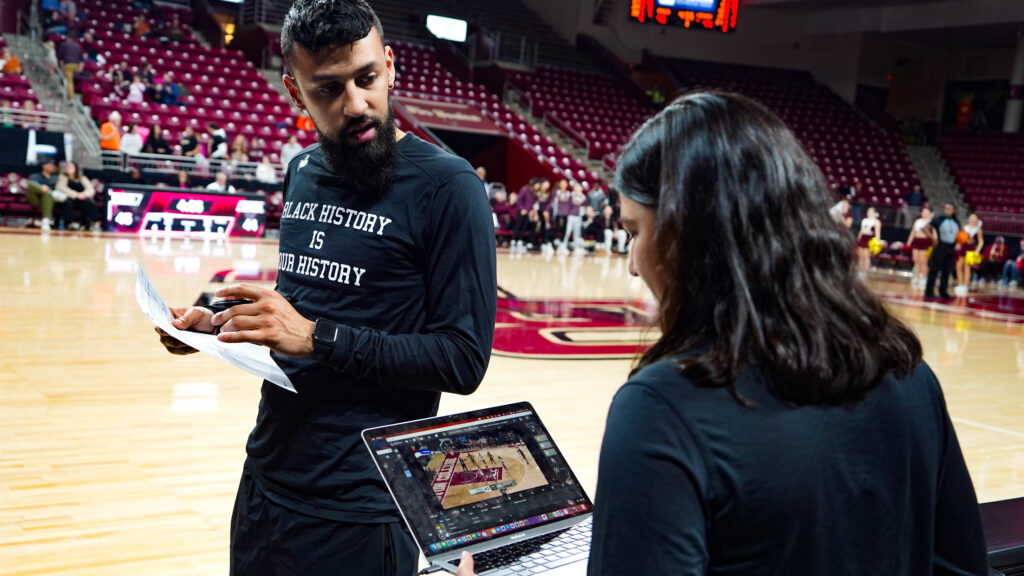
(196,319)
(45,189)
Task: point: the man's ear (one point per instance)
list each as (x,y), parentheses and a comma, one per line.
(293,91)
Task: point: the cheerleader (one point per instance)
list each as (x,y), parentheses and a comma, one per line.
(870,227)
(975,242)
(919,242)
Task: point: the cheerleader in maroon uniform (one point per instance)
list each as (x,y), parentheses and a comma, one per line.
(919,242)
(975,242)
(870,227)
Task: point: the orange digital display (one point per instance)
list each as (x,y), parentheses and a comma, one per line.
(709,14)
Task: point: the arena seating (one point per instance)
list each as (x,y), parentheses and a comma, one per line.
(420,75)
(15,89)
(845,145)
(600,112)
(241,101)
(988,169)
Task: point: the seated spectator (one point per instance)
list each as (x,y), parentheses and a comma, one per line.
(136,90)
(28,107)
(256,148)
(41,187)
(9,63)
(110,132)
(131,142)
(49,5)
(591,230)
(174,30)
(91,50)
(53,24)
(190,144)
(265,172)
(6,114)
(993,259)
(596,199)
(155,142)
(611,229)
(504,208)
(1012,268)
(135,176)
(79,192)
(220,184)
(68,10)
(481,173)
(168,91)
(218,141)
(184,181)
(290,150)
(240,149)
(140,27)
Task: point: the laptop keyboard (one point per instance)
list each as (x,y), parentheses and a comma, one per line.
(536,555)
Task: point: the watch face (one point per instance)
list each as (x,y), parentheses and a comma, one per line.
(325,331)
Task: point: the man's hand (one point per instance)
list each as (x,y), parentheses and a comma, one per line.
(465,565)
(195,318)
(44,189)
(270,321)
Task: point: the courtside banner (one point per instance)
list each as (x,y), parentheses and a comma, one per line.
(448,115)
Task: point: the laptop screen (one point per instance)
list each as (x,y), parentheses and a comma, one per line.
(470,477)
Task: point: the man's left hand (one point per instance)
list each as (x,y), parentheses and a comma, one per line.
(269,321)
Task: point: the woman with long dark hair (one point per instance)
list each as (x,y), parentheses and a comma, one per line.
(784,422)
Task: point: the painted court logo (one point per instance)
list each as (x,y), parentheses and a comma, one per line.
(541,329)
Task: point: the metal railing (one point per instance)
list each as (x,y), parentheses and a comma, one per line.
(262,11)
(1002,223)
(192,165)
(554,121)
(33,119)
(87,135)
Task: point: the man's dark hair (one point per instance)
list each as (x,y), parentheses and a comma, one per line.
(754,271)
(318,24)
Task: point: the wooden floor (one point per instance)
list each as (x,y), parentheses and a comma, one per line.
(117,458)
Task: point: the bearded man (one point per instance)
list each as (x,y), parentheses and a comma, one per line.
(385,297)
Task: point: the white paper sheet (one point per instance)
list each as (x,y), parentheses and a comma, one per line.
(249,357)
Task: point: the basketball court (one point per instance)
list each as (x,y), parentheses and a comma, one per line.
(118,458)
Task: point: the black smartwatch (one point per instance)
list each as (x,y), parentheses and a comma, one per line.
(325,334)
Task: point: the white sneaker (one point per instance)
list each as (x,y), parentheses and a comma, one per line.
(45,224)
(960,291)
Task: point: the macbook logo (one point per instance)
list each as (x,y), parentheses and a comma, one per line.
(517,536)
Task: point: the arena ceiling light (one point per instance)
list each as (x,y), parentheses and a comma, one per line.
(447,28)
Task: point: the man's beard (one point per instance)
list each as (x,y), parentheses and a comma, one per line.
(369,168)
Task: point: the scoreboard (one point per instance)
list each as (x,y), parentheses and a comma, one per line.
(185,212)
(708,14)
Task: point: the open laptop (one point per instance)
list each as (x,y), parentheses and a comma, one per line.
(492,482)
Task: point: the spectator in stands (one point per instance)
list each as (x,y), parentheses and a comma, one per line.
(481,172)
(943,230)
(265,172)
(994,258)
(840,212)
(912,202)
(1013,268)
(110,132)
(41,187)
(184,180)
(611,229)
(596,198)
(256,148)
(591,229)
(68,10)
(6,114)
(9,63)
(135,176)
(525,205)
(240,149)
(545,201)
(131,142)
(53,24)
(155,142)
(71,56)
(79,191)
(28,106)
(290,150)
(136,90)
(174,30)
(574,222)
(218,142)
(169,92)
(220,184)
(504,208)
(49,5)
(189,143)
(561,207)
(91,50)
(140,27)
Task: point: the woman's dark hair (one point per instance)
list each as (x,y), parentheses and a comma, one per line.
(754,271)
(317,24)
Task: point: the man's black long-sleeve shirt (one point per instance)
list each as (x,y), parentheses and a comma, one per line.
(410,277)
